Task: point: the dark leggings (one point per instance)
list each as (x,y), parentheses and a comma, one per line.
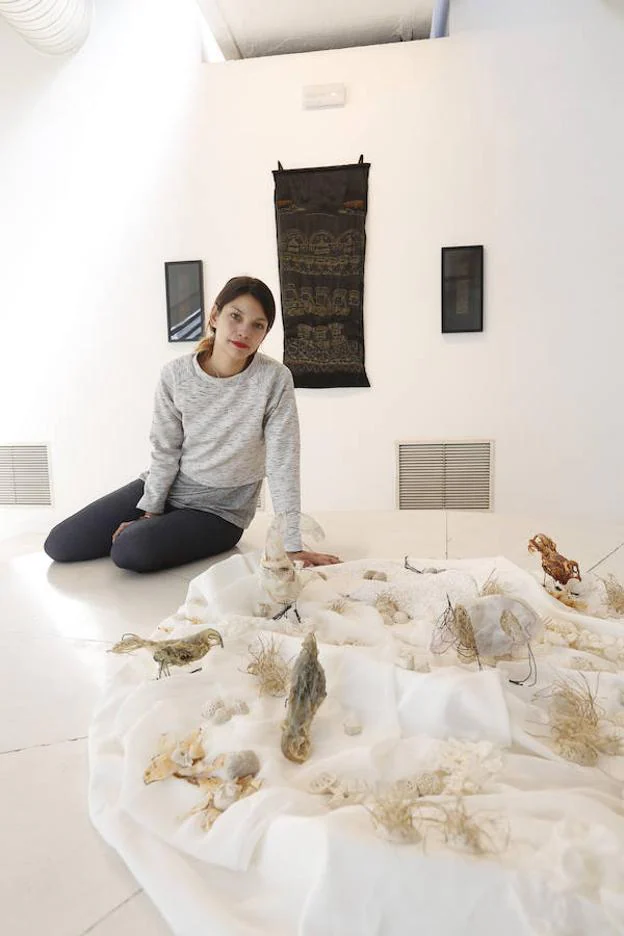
(171,539)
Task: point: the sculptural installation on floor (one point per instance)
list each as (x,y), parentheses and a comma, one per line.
(463,711)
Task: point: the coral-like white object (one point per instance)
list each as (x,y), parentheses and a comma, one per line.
(561,633)
(323,783)
(468,767)
(583,858)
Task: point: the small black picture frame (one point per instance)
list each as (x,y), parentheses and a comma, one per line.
(184,285)
(462,289)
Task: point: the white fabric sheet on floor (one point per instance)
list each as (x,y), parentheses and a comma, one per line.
(281,862)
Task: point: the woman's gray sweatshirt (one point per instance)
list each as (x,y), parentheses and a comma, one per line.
(214,440)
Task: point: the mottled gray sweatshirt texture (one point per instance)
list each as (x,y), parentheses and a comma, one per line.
(214,440)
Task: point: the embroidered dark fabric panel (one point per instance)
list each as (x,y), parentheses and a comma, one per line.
(320,215)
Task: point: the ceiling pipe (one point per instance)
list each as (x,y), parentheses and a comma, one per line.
(55,27)
(439,19)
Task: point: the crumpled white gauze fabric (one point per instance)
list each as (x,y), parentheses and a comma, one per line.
(283,862)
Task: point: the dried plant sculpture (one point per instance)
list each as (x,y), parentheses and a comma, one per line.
(169,653)
(454,629)
(393,814)
(553,563)
(478,834)
(615,595)
(511,626)
(307,691)
(406,818)
(492,586)
(270,667)
(578,725)
(389,609)
(338,605)
(279,576)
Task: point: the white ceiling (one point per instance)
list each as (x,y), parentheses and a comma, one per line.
(251,28)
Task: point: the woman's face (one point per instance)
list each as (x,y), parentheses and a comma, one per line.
(240,327)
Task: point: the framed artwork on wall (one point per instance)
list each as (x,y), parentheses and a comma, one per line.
(462,289)
(184,284)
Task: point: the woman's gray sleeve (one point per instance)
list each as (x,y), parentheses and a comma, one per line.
(281,434)
(166,439)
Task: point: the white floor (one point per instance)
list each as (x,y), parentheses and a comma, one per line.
(57,875)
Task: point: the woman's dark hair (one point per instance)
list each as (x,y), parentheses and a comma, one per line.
(235,287)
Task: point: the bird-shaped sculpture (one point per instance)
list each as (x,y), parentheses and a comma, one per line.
(553,563)
(307,691)
(169,653)
(281,578)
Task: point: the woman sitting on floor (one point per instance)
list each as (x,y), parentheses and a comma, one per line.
(223,418)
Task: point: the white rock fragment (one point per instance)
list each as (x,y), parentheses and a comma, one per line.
(221,716)
(352,725)
(240,764)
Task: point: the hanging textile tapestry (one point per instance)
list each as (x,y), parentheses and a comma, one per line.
(320,215)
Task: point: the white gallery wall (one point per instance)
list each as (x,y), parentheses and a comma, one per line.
(506,134)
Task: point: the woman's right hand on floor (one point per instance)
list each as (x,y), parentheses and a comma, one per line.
(127,523)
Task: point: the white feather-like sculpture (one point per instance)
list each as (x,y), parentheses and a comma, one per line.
(281,578)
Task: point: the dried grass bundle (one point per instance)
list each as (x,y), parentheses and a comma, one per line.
(270,667)
(492,586)
(386,605)
(615,595)
(478,834)
(408,819)
(579,728)
(454,629)
(338,605)
(393,813)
